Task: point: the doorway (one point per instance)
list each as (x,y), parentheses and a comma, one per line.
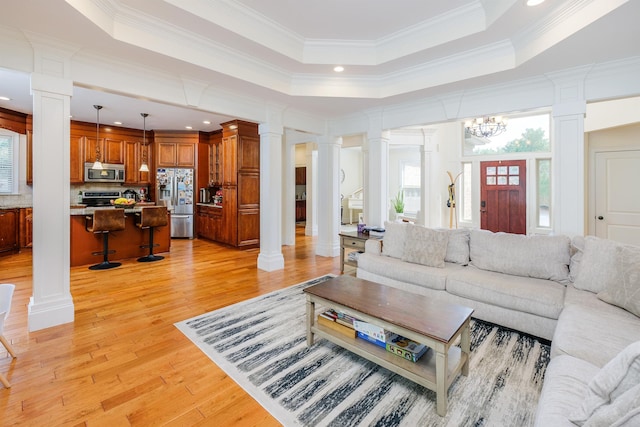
(617,195)
(503,191)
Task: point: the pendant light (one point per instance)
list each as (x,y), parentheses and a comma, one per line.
(144,167)
(97,164)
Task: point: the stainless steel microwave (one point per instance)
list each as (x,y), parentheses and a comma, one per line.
(109,173)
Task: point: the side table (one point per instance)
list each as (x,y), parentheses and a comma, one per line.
(354,241)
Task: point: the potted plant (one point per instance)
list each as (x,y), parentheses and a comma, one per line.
(398,203)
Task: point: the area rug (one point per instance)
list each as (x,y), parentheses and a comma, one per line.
(261,344)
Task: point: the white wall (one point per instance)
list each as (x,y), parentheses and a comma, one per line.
(351,163)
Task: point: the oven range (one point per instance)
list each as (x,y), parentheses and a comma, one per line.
(99,198)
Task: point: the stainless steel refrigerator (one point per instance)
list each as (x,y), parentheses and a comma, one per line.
(175,189)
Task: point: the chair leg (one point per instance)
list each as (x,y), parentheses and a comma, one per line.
(4,381)
(151,257)
(105,264)
(6,344)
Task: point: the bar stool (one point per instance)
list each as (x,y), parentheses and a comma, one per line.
(105,221)
(151,217)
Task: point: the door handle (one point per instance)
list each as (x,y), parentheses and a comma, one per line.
(600,217)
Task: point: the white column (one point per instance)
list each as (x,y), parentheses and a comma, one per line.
(376,174)
(270,257)
(426,178)
(289,193)
(568,172)
(51,303)
(328,243)
(311,227)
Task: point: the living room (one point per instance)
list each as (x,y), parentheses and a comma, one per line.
(574,85)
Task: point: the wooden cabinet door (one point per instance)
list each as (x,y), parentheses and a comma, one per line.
(131,162)
(76,160)
(9,230)
(229,160)
(29,157)
(167,154)
(185,155)
(113,151)
(26,227)
(89,149)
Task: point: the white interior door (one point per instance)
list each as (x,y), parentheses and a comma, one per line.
(617,196)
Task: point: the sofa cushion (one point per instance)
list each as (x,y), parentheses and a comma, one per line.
(542,257)
(612,382)
(622,412)
(591,329)
(598,264)
(458,246)
(535,296)
(393,240)
(416,274)
(625,291)
(425,246)
(564,388)
(577,252)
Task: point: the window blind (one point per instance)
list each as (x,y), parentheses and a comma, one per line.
(6,164)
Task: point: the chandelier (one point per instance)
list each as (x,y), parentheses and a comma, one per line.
(144,167)
(486,127)
(97,165)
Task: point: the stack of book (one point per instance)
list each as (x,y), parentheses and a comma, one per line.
(339,322)
(393,343)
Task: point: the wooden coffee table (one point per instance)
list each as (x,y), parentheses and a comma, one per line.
(425,320)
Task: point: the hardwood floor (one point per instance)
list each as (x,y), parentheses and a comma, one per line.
(122,362)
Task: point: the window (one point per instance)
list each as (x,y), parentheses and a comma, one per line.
(8,162)
(411,187)
(543,180)
(529,134)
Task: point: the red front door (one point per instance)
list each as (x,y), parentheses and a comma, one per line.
(503,191)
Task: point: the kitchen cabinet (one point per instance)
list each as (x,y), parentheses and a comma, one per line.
(111,150)
(171,152)
(76,160)
(9,230)
(29,132)
(26,227)
(301,210)
(134,154)
(301,176)
(209,221)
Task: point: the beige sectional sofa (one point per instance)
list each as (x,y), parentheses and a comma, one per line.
(582,294)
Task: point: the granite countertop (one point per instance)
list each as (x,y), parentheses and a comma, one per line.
(90,211)
(211,205)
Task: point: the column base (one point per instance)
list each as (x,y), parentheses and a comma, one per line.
(50,314)
(271,262)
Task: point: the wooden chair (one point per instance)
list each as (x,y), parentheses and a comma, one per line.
(105,221)
(6,295)
(151,217)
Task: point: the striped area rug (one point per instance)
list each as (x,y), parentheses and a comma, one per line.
(261,344)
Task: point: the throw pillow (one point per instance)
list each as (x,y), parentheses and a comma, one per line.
(618,412)
(425,246)
(458,246)
(393,240)
(625,290)
(598,266)
(619,375)
(577,251)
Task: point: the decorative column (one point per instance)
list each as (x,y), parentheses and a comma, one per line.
(376,173)
(568,172)
(311,226)
(328,243)
(427,204)
(51,303)
(270,257)
(289,192)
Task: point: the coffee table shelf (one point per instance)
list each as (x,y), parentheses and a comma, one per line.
(422,372)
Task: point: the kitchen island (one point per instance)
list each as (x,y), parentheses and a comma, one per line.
(125,243)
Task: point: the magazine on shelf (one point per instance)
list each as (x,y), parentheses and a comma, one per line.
(406,348)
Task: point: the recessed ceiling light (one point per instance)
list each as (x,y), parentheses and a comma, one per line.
(206,122)
(188,127)
(338,68)
(117,123)
(534,2)
(4,98)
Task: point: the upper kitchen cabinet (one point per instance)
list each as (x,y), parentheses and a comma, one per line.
(111,150)
(135,152)
(175,149)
